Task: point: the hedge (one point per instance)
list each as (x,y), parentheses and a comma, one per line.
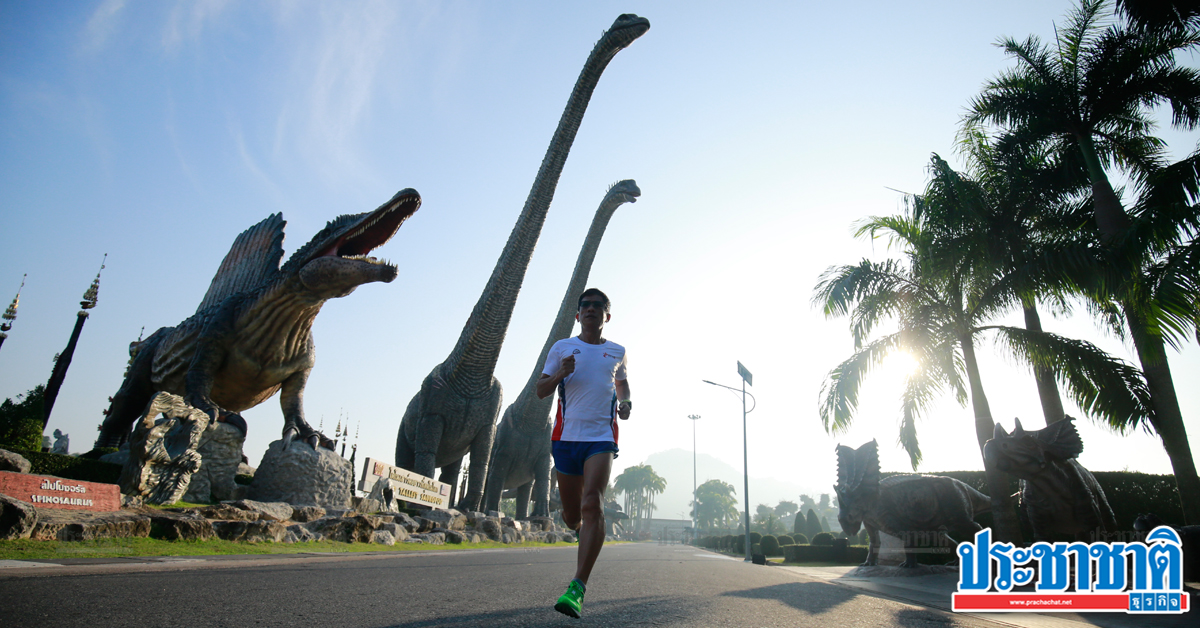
(72,467)
(850,555)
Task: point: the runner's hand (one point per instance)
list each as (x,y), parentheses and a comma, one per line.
(623,410)
(567,367)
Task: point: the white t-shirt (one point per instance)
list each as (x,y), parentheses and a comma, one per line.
(587,398)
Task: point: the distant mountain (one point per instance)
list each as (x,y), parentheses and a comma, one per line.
(675,466)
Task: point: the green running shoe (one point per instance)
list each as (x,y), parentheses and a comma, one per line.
(571,602)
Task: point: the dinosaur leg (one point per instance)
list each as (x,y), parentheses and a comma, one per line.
(872,546)
(131,399)
(523,492)
(481,446)
(429,436)
(541,486)
(291,399)
(450,476)
(498,469)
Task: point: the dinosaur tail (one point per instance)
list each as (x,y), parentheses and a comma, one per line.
(980,503)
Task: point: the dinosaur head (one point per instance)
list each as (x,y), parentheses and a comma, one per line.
(624,191)
(1026,453)
(335,261)
(623,32)
(857,484)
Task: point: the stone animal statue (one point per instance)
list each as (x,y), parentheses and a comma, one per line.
(252,334)
(455,411)
(1058,496)
(901,504)
(1190,535)
(521,451)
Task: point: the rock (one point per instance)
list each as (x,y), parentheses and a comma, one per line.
(474,517)
(267,511)
(131,501)
(301,534)
(508,537)
(356,529)
(80,525)
(365,505)
(540,524)
(491,528)
(382,537)
(494,513)
(415,539)
(424,525)
(449,519)
(405,521)
(304,514)
(302,475)
(567,537)
(173,526)
(454,537)
(10,461)
(220,450)
(117,457)
(396,530)
(547,536)
(162,451)
(250,531)
(245,469)
(229,512)
(17,518)
(433,538)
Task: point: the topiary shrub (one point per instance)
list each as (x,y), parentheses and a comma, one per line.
(823,538)
(863,538)
(72,467)
(21,421)
(727,542)
(799,539)
(770,545)
(755,538)
(785,539)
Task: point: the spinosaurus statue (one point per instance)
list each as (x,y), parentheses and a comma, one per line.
(454,413)
(252,334)
(1058,496)
(521,452)
(901,504)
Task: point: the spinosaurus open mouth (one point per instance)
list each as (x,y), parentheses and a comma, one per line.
(375,229)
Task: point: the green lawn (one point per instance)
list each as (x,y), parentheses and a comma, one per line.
(111,548)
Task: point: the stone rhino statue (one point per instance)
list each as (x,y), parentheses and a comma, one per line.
(1058,496)
(901,505)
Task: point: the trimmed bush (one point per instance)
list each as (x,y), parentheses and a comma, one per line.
(770,545)
(824,554)
(21,421)
(862,538)
(72,467)
(785,539)
(797,539)
(755,538)
(823,538)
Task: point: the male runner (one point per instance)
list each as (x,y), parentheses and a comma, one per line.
(589,373)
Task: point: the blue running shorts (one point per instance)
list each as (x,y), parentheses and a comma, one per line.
(569,456)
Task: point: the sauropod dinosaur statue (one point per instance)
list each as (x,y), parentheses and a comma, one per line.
(454,413)
(252,334)
(521,452)
(901,504)
(1060,497)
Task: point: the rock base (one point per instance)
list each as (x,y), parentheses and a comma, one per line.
(302,476)
(221,454)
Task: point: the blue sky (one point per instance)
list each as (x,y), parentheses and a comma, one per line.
(157,131)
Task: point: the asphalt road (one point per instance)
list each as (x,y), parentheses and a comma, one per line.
(632,585)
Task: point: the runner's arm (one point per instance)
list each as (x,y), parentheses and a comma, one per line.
(624,405)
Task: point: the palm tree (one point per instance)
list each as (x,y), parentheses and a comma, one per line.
(639,484)
(1089,98)
(716,505)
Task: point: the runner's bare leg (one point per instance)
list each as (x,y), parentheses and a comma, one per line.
(596,471)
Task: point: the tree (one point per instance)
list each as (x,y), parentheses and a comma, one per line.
(1090,97)
(639,484)
(786,508)
(812,525)
(21,421)
(716,505)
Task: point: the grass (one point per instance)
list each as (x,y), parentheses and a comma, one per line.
(115,548)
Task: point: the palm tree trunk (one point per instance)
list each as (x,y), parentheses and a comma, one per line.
(1167,418)
(1052,406)
(1004,517)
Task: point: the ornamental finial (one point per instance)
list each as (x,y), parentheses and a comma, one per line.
(10,314)
(93,292)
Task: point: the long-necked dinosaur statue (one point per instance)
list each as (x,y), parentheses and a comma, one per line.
(521,452)
(252,334)
(455,411)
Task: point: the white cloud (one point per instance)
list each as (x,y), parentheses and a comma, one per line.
(102,23)
(187,21)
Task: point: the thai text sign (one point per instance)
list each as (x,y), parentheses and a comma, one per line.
(409,486)
(1136,577)
(45,491)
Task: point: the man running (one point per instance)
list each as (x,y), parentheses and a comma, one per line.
(589,373)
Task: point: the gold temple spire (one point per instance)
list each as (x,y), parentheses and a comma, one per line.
(93,292)
(10,314)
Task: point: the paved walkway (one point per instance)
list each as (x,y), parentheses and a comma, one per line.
(934,591)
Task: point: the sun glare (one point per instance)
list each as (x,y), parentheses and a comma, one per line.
(900,364)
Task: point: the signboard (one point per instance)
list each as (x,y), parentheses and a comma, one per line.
(745,374)
(45,491)
(408,486)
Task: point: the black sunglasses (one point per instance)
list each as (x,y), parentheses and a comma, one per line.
(599,305)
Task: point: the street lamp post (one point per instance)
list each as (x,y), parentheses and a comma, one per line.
(694,418)
(747,378)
